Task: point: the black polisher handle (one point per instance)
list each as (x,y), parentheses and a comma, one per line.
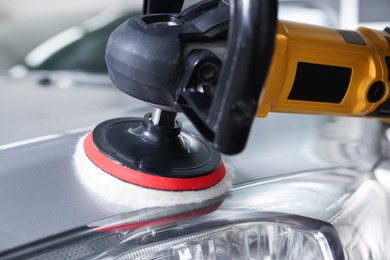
(250,45)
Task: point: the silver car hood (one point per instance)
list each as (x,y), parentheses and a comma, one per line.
(35,104)
(41,196)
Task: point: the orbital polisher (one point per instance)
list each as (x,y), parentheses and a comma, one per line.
(222,63)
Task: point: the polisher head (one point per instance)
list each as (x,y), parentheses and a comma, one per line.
(133,162)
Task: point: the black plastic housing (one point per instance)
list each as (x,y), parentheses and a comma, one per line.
(144,54)
(166,6)
(145,59)
(250,46)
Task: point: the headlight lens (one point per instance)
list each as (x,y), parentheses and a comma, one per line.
(263,236)
(241,241)
(334,214)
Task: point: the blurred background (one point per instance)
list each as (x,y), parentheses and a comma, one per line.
(52,71)
(24,24)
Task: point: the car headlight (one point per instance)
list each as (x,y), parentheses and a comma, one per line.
(271,236)
(333,214)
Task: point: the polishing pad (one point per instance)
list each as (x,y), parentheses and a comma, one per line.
(131,163)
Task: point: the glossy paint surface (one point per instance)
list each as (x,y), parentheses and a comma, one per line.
(41,195)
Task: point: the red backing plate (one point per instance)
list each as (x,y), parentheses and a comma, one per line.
(147,180)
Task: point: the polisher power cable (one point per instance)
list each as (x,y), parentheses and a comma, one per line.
(222,63)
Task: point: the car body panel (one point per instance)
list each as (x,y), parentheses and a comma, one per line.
(42,196)
(64,101)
